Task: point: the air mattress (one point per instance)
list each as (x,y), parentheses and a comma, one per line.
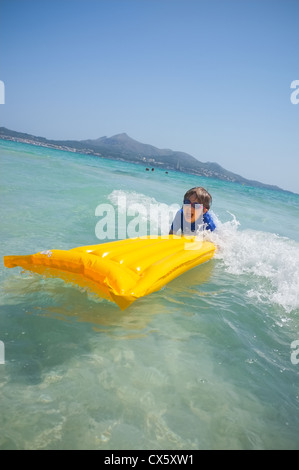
(123,270)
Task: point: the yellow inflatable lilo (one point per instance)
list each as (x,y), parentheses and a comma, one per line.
(123,270)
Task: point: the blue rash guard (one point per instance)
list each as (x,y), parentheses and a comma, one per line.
(179,222)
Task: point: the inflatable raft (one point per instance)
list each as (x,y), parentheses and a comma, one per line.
(123,270)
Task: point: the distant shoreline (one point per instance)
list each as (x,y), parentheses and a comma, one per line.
(119,150)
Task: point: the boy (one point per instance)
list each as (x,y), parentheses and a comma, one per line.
(195,211)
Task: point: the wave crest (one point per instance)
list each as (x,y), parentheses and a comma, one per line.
(272,260)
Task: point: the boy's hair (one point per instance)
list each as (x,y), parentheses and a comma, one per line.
(202,196)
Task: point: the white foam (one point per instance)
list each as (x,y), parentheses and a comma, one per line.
(273,261)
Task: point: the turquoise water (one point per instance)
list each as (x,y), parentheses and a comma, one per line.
(205,363)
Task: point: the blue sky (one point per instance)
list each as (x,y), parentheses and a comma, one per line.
(208,77)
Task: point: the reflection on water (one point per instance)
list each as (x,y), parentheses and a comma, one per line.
(75,303)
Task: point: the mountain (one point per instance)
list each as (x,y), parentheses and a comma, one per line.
(123,147)
(123,143)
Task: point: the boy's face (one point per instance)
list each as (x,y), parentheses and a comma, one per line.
(192,213)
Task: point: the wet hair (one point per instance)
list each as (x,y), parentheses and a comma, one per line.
(202,196)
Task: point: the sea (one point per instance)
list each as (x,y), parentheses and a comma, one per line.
(211,361)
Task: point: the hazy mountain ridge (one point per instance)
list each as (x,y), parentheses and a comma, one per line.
(123,147)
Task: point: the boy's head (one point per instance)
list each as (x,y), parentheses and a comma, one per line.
(200,195)
(197,195)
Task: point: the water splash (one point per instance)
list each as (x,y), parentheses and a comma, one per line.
(272,262)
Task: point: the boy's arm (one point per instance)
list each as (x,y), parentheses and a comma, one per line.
(208,220)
